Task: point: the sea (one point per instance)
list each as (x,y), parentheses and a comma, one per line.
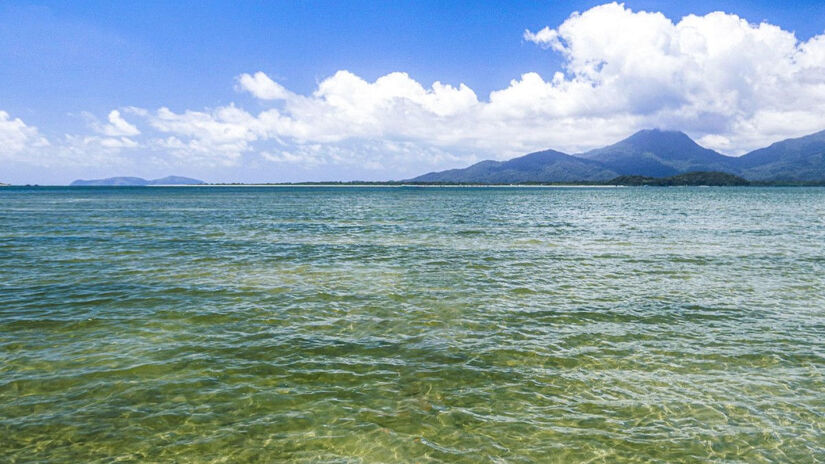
(412,324)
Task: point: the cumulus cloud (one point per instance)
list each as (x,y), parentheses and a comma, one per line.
(735,84)
(731,84)
(115,135)
(22,143)
(546,37)
(17,139)
(344,110)
(117,126)
(219,136)
(261,86)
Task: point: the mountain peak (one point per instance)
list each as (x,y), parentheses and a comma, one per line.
(660,136)
(658,153)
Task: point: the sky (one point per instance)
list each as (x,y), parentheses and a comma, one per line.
(315,91)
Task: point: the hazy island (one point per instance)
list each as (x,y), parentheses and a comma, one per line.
(136,182)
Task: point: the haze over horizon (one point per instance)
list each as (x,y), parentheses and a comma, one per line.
(294,92)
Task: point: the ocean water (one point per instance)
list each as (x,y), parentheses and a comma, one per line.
(412,325)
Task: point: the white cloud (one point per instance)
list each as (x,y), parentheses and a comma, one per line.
(89,150)
(114,143)
(731,84)
(117,127)
(261,86)
(21,143)
(17,139)
(547,38)
(714,75)
(222,135)
(343,108)
(713,140)
(376,155)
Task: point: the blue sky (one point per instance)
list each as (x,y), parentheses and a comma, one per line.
(170,70)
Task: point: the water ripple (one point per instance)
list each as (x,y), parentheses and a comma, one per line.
(412,325)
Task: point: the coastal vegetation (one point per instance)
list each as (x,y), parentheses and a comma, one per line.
(690,178)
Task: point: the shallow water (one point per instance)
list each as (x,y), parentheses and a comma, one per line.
(412,324)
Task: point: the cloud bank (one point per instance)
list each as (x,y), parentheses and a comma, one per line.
(737,85)
(731,84)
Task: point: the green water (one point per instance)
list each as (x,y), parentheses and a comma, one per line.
(412,325)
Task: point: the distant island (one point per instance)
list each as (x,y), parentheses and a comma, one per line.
(651,154)
(136,182)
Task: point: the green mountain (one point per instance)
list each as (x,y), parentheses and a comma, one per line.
(136,181)
(658,153)
(651,154)
(542,166)
(799,159)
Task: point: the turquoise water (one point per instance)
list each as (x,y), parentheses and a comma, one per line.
(412,325)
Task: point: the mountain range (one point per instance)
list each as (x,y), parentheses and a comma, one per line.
(650,153)
(137,181)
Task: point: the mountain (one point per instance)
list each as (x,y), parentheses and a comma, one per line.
(651,153)
(542,166)
(136,181)
(799,159)
(658,153)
